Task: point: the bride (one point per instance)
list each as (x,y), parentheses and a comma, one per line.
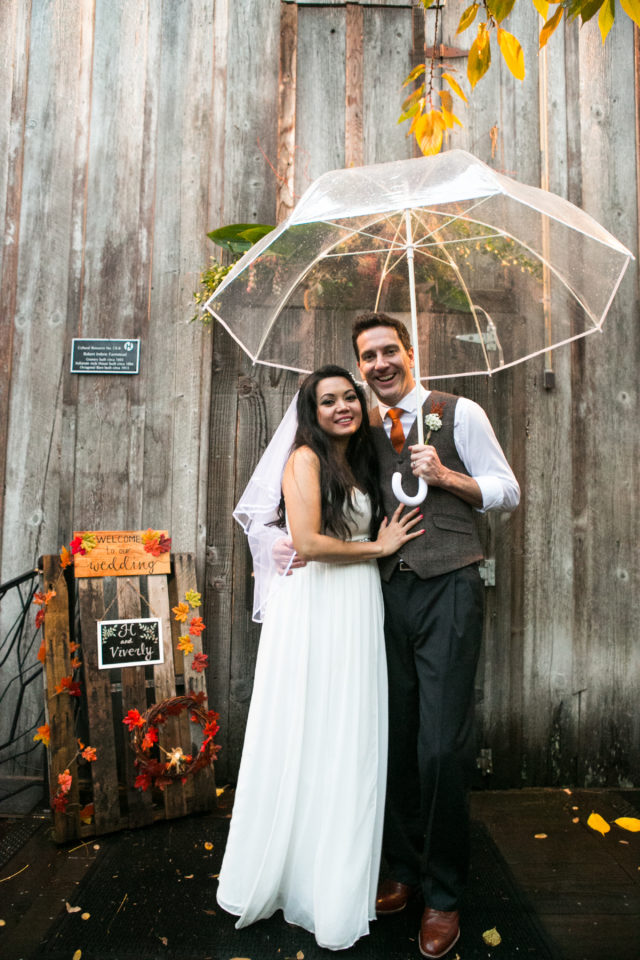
(306,830)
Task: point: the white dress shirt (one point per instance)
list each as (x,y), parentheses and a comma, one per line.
(477,447)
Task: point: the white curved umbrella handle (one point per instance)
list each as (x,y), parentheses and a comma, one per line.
(399,494)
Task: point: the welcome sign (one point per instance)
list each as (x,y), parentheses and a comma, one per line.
(120,553)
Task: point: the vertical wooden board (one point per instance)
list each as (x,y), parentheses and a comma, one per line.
(59,77)
(200,789)
(177,421)
(387,61)
(320,91)
(263,401)
(227,362)
(251,122)
(354,80)
(174,796)
(484,110)
(285,193)
(97,684)
(14,67)
(60,706)
(134,696)
(250,138)
(606,595)
(177,589)
(118,249)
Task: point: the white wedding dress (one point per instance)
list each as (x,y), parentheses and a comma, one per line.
(306,831)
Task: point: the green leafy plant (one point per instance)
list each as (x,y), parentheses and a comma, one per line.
(236,239)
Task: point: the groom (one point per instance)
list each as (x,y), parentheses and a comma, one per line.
(433,598)
(434,602)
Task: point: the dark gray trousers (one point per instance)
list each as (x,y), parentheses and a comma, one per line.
(433,631)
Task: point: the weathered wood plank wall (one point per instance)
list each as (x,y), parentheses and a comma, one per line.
(129,129)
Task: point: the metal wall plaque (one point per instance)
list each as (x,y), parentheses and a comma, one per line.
(105,356)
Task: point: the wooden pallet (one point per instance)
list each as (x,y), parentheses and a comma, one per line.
(107,695)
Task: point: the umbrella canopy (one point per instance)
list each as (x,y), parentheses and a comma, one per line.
(502,271)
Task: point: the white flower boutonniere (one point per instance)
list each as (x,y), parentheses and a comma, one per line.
(433,420)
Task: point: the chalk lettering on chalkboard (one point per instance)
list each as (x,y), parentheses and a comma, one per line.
(129,643)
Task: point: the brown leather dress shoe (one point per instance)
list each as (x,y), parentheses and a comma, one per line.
(439,930)
(393,896)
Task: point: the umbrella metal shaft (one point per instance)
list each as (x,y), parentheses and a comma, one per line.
(414,322)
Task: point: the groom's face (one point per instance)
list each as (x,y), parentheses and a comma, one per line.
(385,364)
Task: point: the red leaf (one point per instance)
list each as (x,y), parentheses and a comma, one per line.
(40,620)
(200,662)
(59,802)
(196,626)
(133,719)
(76,546)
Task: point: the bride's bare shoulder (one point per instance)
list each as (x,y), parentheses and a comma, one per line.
(302,459)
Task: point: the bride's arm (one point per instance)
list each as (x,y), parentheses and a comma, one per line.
(301,488)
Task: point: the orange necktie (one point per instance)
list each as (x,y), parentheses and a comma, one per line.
(397,433)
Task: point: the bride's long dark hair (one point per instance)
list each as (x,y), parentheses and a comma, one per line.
(335,484)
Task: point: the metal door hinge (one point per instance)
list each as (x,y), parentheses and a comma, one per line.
(487,570)
(485,762)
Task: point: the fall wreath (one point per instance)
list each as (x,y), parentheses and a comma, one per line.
(158,767)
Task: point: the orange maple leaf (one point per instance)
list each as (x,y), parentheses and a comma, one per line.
(65,779)
(89,753)
(42,599)
(185,644)
(87,813)
(42,652)
(196,626)
(65,558)
(43,734)
(181,612)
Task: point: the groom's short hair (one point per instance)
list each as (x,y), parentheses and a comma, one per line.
(366,321)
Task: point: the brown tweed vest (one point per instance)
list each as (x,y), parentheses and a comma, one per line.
(450,540)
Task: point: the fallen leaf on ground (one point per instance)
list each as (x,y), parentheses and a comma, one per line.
(576,820)
(208,845)
(566,790)
(164,941)
(491,937)
(77,955)
(3,923)
(575,808)
(628,823)
(598,823)
(71,909)
(85,916)
(540,836)
(626,842)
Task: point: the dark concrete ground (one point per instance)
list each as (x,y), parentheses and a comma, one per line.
(583,887)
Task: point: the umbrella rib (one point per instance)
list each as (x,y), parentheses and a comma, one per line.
(454,266)
(537,256)
(385,272)
(285,296)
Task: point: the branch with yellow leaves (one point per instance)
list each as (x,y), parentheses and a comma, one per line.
(431,118)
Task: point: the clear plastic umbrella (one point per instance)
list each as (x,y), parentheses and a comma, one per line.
(485,271)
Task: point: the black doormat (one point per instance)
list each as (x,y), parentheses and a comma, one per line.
(151,896)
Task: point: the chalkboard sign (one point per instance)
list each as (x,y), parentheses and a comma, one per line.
(105,356)
(129,643)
